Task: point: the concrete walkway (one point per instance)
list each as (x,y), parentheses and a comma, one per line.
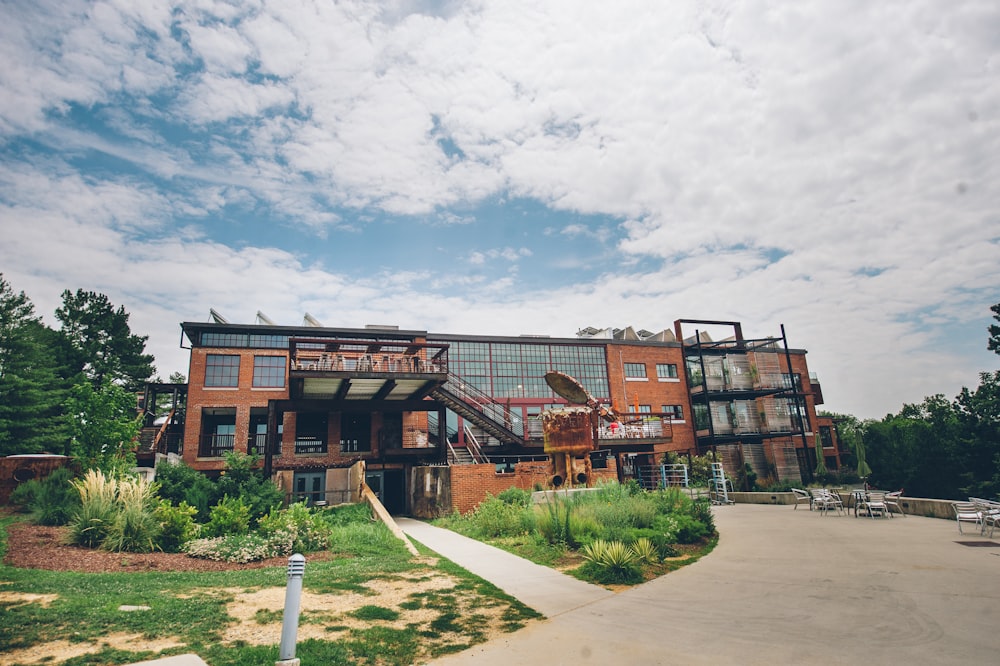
(547,591)
(782,587)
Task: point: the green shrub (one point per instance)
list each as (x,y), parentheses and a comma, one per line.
(645,551)
(55,501)
(179,483)
(177,525)
(238,548)
(689,529)
(298,528)
(230,516)
(553,520)
(496,518)
(612,562)
(702,512)
(242,478)
(23,496)
(515,496)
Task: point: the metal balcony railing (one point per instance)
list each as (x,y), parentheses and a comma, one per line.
(215,446)
(322,355)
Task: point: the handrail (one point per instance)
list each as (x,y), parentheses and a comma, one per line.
(472,444)
(162,431)
(485,404)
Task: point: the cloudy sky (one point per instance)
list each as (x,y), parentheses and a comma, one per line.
(510,167)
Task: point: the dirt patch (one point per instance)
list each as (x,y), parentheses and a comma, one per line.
(319,612)
(59,651)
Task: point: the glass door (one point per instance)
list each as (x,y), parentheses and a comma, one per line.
(310,487)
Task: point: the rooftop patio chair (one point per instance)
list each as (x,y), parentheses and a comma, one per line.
(990,513)
(990,519)
(875,504)
(967,512)
(824,501)
(892,502)
(802,497)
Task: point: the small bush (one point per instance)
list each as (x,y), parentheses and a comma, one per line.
(496,518)
(611,562)
(702,512)
(179,483)
(299,527)
(229,516)
(23,496)
(242,478)
(690,529)
(515,496)
(554,521)
(177,525)
(645,551)
(55,500)
(238,548)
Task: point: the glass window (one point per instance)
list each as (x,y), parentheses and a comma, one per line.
(635,371)
(675,412)
(222,370)
(269,371)
(666,370)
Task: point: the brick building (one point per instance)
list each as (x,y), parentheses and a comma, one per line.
(441,419)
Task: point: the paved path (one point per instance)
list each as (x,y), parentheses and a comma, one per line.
(547,591)
(782,587)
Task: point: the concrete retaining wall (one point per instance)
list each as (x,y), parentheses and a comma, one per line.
(918,506)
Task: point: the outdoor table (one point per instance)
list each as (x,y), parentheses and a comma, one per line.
(858,495)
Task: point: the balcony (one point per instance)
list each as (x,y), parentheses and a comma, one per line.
(306,445)
(631,429)
(365,370)
(215,446)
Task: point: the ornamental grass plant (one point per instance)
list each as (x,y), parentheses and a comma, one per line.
(98,506)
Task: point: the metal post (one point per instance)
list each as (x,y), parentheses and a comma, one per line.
(290,622)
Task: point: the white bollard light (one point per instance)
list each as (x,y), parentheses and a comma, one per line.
(290,620)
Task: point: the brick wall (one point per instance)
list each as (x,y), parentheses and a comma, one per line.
(471,483)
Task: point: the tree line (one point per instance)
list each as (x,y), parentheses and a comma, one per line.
(70,390)
(947,449)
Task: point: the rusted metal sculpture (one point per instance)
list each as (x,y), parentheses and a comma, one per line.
(570,433)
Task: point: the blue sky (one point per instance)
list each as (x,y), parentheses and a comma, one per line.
(518,167)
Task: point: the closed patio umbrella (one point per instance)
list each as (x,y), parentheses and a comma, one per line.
(820,459)
(864,471)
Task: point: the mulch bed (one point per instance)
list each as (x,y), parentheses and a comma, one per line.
(40,547)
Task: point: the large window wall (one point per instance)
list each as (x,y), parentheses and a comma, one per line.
(516,370)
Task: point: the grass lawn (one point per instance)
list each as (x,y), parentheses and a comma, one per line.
(372,603)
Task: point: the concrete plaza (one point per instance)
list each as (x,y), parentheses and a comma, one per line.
(783,586)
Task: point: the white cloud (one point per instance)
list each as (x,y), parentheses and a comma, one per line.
(831,166)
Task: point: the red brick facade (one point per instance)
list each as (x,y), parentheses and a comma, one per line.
(471,483)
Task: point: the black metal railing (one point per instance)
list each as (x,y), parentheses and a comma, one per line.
(215,446)
(321,355)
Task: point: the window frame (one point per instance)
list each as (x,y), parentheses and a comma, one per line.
(630,370)
(671,372)
(222,374)
(262,372)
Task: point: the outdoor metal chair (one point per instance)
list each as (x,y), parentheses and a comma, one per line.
(823,501)
(892,502)
(989,513)
(967,512)
(802,497)
(874,504)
